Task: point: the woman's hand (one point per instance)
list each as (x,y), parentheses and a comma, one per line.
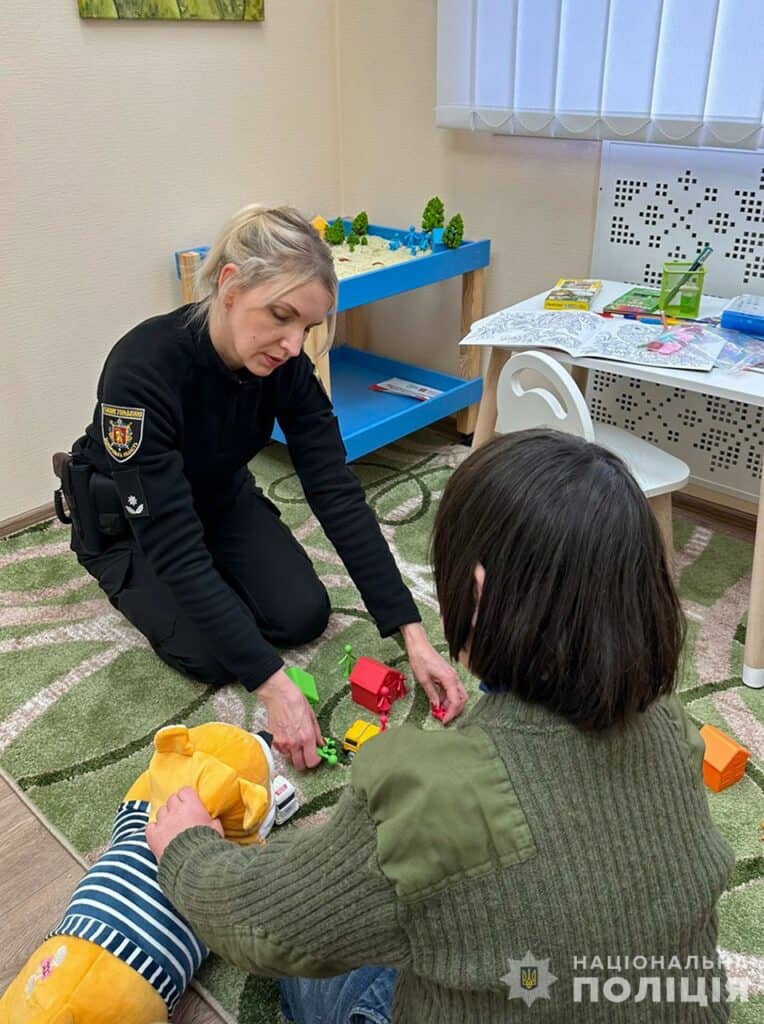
(183,810)
(291,721)
(437,678)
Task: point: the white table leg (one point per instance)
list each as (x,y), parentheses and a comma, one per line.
(753,659)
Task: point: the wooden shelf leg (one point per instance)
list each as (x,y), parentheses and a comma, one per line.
(469,356)
(356,327)
(189,264)
(753,659)
(314,344)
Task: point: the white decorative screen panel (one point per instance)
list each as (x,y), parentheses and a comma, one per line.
(661,203)
(721,441)
(658,203)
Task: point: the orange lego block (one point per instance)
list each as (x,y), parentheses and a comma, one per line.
(724,760)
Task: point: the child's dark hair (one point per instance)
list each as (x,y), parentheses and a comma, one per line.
(578,609)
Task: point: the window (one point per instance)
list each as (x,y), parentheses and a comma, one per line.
(668,71)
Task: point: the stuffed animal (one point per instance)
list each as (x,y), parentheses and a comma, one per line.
(122,954)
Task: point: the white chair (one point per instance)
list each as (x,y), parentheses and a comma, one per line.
(534,390)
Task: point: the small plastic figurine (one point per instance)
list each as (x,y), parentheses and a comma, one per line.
(438,711)
(347,660)
(383,702)
(328,752)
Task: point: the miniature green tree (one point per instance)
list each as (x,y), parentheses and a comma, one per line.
(433,215)
(334,233)
(364,240)
(452,236)
(352,240)
(361,224)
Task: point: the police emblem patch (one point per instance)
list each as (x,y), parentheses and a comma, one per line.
(122,430)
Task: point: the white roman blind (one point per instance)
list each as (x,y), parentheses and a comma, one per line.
(668,71)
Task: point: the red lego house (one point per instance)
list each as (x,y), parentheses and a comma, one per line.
(366,681)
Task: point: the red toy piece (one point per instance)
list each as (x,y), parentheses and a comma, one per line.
(382,723)
(438,711)
(375,686)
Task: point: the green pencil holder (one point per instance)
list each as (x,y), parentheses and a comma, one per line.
(681,289)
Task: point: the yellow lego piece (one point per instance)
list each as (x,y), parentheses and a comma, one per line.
(319,224)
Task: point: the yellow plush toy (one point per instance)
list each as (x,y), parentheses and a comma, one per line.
(122,954)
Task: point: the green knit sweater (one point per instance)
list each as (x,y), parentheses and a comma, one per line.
(513,836)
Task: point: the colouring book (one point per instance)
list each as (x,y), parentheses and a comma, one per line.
(583,334)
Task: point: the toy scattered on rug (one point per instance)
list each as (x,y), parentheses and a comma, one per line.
(122,954)
(305,682)
(438,711)
(347,659)
(360,732)
(724,760)
(376,687)
(328,752)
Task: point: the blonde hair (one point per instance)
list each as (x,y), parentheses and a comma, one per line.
(267,244)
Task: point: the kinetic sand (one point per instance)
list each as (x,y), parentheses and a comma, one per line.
(374,256)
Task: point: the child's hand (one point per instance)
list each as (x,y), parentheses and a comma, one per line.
(183,810)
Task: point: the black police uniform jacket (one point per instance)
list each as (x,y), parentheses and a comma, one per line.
(175,428)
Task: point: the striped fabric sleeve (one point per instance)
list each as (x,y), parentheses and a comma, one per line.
(119,906)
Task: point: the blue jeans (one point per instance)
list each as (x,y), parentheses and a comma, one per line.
(364,996)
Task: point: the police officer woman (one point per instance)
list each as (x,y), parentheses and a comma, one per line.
(187,546)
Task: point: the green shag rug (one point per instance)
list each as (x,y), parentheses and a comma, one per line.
(81,694)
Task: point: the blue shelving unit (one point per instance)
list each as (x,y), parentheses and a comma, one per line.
(370,419)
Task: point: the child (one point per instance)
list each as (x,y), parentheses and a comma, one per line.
(562,823)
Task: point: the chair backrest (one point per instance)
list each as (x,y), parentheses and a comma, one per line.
(534,390)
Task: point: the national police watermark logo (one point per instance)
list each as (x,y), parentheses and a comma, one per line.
(529,979)
(122,430)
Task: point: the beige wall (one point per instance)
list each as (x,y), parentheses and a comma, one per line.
(534,198)
(123,142)
(119,143)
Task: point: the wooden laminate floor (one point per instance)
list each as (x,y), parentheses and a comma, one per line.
(37,875)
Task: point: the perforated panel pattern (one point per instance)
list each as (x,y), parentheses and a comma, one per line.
(663,202)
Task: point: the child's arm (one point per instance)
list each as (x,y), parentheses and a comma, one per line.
(313,904)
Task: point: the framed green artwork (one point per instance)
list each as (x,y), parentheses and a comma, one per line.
(175,10)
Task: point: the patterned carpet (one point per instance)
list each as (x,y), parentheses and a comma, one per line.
(81,694)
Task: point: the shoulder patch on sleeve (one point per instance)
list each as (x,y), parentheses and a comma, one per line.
(122,430)
(444,807)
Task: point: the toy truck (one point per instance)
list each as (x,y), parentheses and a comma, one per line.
(285,799)
(358,734)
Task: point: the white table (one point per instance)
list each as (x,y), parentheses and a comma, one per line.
(739,387)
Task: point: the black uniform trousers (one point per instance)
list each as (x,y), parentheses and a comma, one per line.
(259,558)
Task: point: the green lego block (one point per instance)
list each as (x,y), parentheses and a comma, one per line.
(305,681)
